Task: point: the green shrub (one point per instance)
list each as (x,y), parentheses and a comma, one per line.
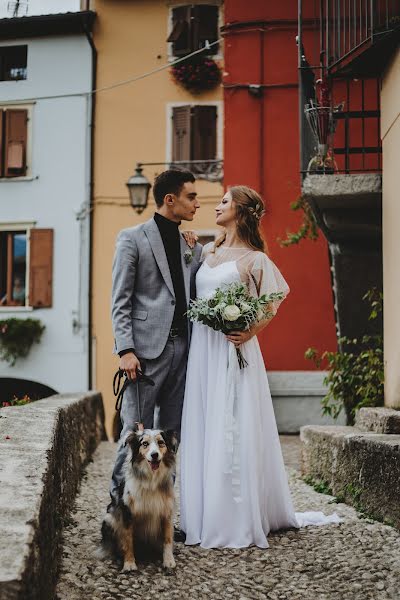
(355,375)
(17,337)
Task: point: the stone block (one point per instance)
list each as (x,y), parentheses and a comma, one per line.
(43,448)
(378,419)
(362,468)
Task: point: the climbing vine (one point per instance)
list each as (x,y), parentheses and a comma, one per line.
(308,228)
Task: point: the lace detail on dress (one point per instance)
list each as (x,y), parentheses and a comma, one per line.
(255,269)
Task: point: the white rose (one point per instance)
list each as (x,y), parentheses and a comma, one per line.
(231,312)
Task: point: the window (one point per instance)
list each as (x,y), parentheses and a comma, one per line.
(13,268)
(192,27)
(13,61)
(13,142)
(26,259)
(194,135)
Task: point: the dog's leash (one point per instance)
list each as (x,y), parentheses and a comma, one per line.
(119,391)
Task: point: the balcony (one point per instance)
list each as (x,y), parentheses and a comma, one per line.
(358,36)
(340,142)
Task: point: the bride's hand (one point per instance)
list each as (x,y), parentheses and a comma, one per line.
(240,337)
(190,238)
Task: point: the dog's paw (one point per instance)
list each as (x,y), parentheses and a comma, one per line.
(169,563)
(129,566)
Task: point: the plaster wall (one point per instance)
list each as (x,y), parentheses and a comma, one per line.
(390,126)
(52,194)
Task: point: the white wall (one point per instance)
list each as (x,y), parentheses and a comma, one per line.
(53,194)
(39,7)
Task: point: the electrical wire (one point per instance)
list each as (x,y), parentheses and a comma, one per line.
(121,83)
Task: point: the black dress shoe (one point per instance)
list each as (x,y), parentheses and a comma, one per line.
(179,535)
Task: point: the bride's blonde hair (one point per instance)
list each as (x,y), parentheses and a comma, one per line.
(249,210)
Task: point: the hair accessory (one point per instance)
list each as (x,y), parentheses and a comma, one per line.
(257,211)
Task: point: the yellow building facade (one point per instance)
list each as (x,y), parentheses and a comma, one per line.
(137,122)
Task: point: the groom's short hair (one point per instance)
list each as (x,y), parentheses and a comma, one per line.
(170,182)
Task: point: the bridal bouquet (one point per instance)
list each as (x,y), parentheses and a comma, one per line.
(232,308)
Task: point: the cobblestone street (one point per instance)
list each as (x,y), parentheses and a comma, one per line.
(355,560)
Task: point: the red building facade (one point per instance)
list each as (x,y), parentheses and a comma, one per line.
(262,151)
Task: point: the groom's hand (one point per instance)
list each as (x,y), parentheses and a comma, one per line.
(130,364)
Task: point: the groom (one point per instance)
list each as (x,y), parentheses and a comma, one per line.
(153,276)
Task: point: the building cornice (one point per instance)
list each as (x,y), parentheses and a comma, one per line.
(45,25)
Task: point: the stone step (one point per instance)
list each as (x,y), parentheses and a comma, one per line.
(378,420)
(361,468)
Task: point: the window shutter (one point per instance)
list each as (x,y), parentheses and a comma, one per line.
(15,144)
(205,26)
(204,136)
(1,142)
(181,133)
(181,31)
(41,268)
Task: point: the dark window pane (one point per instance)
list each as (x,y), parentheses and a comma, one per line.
(13,63)
(19,268)
(12,268)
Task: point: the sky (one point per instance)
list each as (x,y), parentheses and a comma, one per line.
(37,7)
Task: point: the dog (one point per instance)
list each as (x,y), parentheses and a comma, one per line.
(143,515)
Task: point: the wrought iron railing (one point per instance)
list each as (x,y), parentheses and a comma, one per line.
(346,26)
(211,170)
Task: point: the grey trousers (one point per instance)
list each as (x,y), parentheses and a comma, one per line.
(160,405)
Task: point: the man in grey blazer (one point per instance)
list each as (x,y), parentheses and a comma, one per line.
(153,280)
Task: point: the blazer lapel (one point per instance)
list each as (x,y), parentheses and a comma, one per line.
(186,268)
(157,246)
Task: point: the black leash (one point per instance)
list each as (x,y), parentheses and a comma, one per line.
(119,391)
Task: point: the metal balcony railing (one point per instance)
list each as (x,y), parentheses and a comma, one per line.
(348,27)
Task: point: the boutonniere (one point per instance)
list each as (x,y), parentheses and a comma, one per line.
(188,256)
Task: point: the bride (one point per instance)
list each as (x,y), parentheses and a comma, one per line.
(234,488)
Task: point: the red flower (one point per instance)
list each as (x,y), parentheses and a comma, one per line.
(6,404)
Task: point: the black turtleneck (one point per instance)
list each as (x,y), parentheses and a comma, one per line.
(171,238)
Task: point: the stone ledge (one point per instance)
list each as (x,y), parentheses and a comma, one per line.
(363,468)
(43,448)
(378,420)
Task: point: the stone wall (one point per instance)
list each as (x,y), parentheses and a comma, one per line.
(43,448)
(360,467)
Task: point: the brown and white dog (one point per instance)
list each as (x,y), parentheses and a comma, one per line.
(145,509)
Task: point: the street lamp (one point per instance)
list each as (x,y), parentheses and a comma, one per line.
(138,186)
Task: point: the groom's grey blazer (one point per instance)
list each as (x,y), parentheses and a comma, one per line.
(143,298)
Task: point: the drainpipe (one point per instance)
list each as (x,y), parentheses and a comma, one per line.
(91,204)
(262,115)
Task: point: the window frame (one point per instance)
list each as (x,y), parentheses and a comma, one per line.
(16,227)
(29,108)
(219,132)
(218,55)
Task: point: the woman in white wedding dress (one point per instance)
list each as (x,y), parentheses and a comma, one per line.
(234,488)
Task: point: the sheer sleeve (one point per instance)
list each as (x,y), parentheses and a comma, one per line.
(265,278)
(206,250)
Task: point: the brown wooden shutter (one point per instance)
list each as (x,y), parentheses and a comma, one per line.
(15,142)
(181,31)
(181,133)
(205,26)
(41,268)
(204,133)
(1,142)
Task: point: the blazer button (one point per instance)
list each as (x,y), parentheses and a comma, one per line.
(172,302)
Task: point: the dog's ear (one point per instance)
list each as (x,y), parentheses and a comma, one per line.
(132,440)
(171,440)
